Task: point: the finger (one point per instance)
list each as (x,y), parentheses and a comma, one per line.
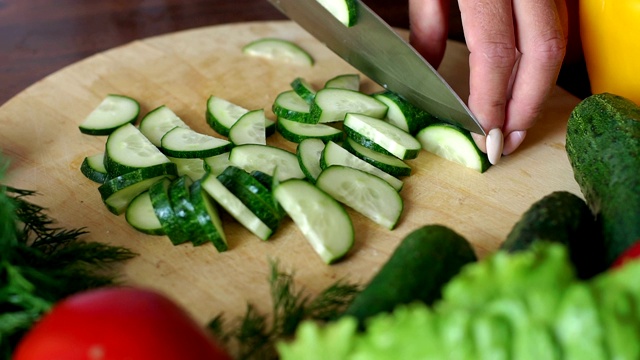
(429,23)
(542,41)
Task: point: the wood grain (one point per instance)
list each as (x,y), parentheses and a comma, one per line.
(39,133)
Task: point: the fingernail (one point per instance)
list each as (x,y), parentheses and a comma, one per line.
(495,143)
(513,141)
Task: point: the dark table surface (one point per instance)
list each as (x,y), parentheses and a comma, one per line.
(39,37)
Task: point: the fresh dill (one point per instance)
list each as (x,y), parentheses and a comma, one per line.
(41,263)
(254,335)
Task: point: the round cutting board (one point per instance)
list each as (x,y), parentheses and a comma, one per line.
(39,134)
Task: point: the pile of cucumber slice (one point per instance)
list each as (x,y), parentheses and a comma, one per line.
(352,151)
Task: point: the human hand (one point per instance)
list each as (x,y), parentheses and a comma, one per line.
(516,51)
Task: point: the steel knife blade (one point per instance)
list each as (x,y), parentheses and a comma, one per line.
(375,49)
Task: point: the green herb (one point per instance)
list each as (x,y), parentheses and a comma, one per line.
(41,263)
(254,335)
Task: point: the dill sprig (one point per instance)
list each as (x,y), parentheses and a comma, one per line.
(254,335)
(41,263)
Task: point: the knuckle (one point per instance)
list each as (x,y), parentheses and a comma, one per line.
(550,48)
(500,54)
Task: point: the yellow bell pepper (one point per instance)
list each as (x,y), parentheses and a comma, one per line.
(610,34)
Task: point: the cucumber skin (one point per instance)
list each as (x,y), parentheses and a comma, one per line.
(603,146)
(564,218)
(421,265)
(368,143)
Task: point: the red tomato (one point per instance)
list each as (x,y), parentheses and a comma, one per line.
(118,323)
(631,253)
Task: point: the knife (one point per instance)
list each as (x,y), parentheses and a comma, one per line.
(374,48)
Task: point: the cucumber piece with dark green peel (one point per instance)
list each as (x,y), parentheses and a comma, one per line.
(403,114)
(387,163)
(454,144)
(141,216)
(159,195)
(603,146)
(208,218)
(381,136)
(564,218)
(419,267)
(92,168)
(113,112)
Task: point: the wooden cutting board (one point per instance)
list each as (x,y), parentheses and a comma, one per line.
(39,133)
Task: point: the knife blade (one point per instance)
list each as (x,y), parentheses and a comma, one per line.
(375,49)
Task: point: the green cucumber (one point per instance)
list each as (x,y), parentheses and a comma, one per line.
(265,158)
(363,192)
(117,192)
(205,210)
(251,128)
(221,114)
(309,153)
(332,105)
(158,122)
(92,168)
(159,196)
(424,261)
(381,136)
(141,216)
(193,168)
(319,217)
(403,114)
(128,149)
(296,131)
(564,218)
(344,81)
(280,50)
(454,144)
(387,163)
(304,89)
(289,105)
(346,11)
(186,143)
(603,146)
(112,112)
(180,199)
(216,164)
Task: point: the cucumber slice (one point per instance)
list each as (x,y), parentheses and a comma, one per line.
(141,216)
(387,163)
(113,112)
(346,11)
(455,144)
(265,158)
(182,142)
(363,192)
(208,218)
(344,81)
(158,122)
(235,207)
(193,168)
(93,168)
(334,154)
(221,114)
(304,89)
(180,198)
(279,50)
(215,165)
(321,219)
(290,105)
(309,153)
(159,196)
(296,131)
(119,191)
(250,129)
(128,150)
(253,194)
(331,105)
(403,114)
(381,136)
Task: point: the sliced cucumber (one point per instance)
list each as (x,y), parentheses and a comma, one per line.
(113,112)
(159,196)
(208,218)
(235,207)
(309,153)
(141,216)
(279,50)
(117,192)
(344,81)
(250,129)
(182,142)
(304,89)
(455,144)
(158,122)
(321,219)
(331,105)
(381,136)
(346,11)
(180,199)
(265,158)
(193,168)
(128,149)
(290,105)
(296,131)
(334,154)
(221,114)
(215,165)
(403,114)
(387,163)
(93,168)
(365,193)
